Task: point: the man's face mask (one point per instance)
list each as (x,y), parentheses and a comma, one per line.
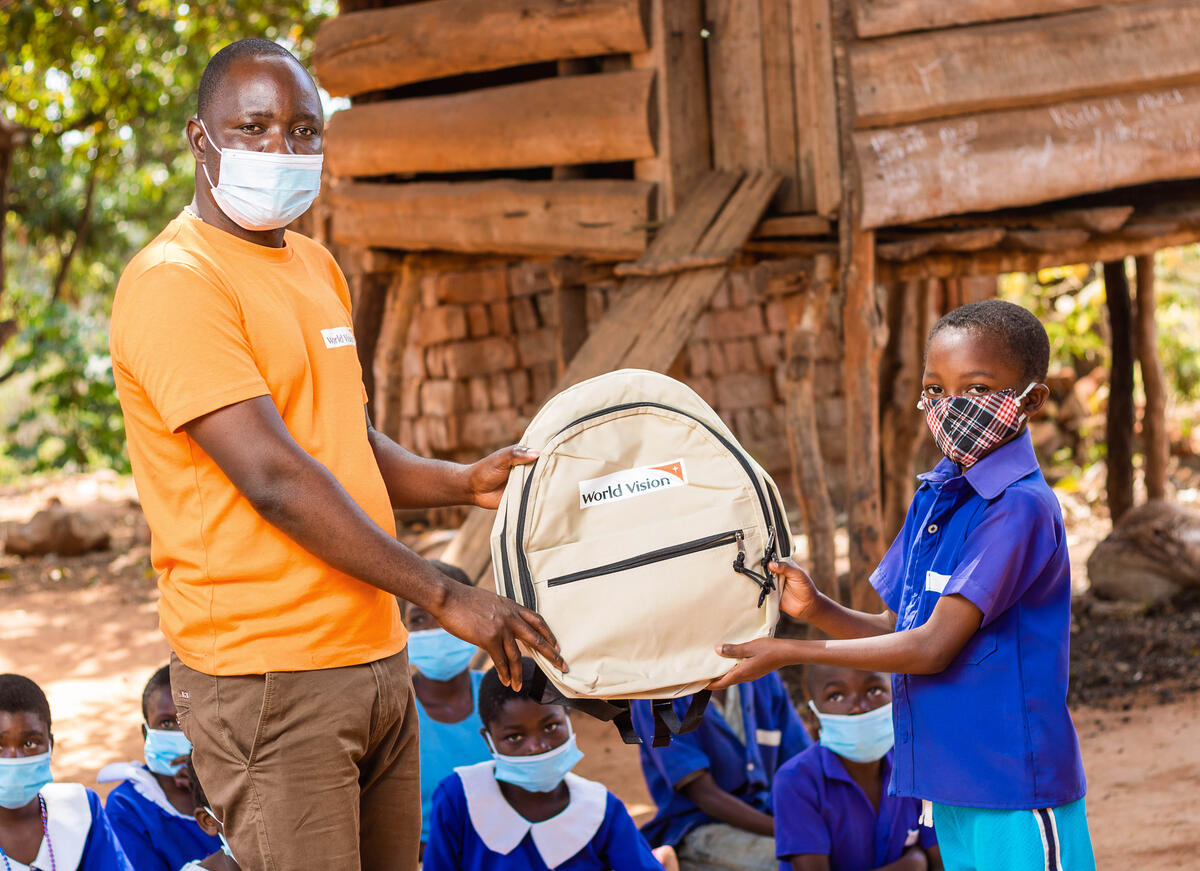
(967,427)
(259,190)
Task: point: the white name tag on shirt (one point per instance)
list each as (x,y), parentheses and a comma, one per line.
(338,337)
(768,737)
(935,583)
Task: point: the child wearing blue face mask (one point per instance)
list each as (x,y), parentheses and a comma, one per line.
(45,826)
(523,810)
(447,696)
(221,858)
(151,811)
(832,810)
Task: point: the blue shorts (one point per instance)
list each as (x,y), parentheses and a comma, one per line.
(979,839)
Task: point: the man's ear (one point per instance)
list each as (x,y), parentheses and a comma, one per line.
(196,138)
(1036,399)
(144,729)
(206,822)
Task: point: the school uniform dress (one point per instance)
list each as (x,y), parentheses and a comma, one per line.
(821,810)
(79,832)
(447,746)
(153,833)
(745,765)
(992,732)
(474,828)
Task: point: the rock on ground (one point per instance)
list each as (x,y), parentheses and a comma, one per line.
(1152,555)
(57,529)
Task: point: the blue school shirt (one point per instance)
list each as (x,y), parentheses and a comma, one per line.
(821,810)
(774,734)
(446,746)
(992,730)
(79,833)
(153,833)
(474,828)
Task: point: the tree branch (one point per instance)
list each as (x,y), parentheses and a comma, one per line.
(81,230)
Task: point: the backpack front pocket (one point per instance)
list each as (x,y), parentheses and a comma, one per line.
(655,556)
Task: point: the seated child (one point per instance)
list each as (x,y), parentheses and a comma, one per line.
(713,785)
(151,812)
(522,809)
(43,825)
(447,697)
(222,858)
(832,809)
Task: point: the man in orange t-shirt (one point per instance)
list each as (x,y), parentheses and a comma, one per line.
(270,496)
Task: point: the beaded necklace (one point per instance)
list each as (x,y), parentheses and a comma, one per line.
(45,834)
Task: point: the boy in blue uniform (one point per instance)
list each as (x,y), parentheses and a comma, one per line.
(977,627)
(151,811)
(832,810)
(523,810)
(713,785)
(45,826)
(447,697)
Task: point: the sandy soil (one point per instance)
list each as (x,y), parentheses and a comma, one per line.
(86,630)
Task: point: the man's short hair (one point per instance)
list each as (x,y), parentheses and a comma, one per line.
(160,680)
(219,63)
(1017,329)
(494,695)
(20,695)
(194,785)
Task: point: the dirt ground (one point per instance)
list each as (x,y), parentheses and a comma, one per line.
(86,629)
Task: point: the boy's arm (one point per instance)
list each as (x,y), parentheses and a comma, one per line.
(724,807)
(803,601)
(809,863)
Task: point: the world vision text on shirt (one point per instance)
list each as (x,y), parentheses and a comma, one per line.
(202,320)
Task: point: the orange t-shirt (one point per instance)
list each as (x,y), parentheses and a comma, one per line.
(201,320)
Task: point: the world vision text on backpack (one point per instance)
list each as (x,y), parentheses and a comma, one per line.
(641,535)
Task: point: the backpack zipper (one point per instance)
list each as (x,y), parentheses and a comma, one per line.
(677,550)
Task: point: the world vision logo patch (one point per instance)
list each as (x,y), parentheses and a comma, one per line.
(631,482)
(338,337)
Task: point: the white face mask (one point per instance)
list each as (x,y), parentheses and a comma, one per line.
(260,190)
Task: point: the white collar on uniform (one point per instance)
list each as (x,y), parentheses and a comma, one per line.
(144,784)
(68,821)
(501,828)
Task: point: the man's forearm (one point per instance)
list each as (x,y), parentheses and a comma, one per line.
(418,482)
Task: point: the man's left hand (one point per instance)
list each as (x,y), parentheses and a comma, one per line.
(487,478)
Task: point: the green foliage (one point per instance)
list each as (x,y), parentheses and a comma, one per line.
(106,89)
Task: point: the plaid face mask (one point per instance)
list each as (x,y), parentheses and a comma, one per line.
(967,427)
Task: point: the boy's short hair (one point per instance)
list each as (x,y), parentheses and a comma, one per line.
(1017,328)
(452,572)
(20,695)
(197,791)
(494,695)
(160,680)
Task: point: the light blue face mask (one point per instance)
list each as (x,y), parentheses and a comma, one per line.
(163,745)
(22,778)
(542,772)
(858,737)
(221,834)
(438,654)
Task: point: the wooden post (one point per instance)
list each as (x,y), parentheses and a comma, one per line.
(1156,445)
(805,327)
(1118,431)
(901,424)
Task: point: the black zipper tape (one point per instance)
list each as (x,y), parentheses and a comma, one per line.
(504,566)
(645,559)
(528,595)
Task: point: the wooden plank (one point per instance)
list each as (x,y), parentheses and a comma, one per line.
(597,218)
(1023,156)
(736,89)
(1035,61)
(384,48)
(403,299)
(577,119)
(1047,240)
(817,148)
(1096,219)
(794,225)
(779,90)
(912,246)
(676,54)
(884,17)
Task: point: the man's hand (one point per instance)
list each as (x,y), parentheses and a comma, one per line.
(487,478)
(495,624)
(758,657)
(800,594)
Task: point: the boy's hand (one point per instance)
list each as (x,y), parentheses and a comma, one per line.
(799,592)
(758,657)
(487,478)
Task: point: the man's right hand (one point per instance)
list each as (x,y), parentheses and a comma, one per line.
(495,624)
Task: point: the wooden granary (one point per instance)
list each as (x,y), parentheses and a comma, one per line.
(770,199)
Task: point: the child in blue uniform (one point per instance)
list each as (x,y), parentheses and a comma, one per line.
(43,825)
(447,697)
(832,810)
(523,810)
(151,812)
(222,858)
(977,627)
(713,785)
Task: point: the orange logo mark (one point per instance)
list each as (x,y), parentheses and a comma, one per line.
(675,469)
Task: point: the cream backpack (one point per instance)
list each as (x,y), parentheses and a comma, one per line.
(641,535)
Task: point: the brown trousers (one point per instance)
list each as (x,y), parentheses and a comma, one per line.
(309,770)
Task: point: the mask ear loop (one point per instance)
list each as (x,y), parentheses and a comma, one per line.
(1024,393)
(209,140)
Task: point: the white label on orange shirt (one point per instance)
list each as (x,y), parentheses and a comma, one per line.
(631,482)
(338,337)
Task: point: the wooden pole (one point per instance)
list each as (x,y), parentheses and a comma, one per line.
(1156,444)
(1119,423)
(901,424)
